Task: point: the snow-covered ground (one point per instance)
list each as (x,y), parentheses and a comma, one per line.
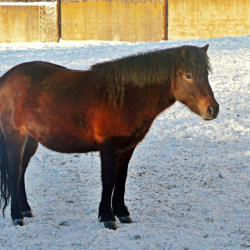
(189,180)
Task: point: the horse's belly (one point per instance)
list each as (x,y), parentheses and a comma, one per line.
(67,147)
(67,144)
(63,138)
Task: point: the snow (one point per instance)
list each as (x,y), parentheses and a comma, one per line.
(28,3)
(188,185)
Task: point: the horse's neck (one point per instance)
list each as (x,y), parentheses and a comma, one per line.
(151,100)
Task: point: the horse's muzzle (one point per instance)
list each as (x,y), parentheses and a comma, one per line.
(212,112)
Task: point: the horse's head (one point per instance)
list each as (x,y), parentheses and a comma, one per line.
(191,86)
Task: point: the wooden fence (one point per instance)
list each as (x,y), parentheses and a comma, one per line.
(28,22)
(122,20)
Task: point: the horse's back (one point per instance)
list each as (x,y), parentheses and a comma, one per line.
(38,74)
(35,69)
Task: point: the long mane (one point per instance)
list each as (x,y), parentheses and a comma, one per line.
(144,69)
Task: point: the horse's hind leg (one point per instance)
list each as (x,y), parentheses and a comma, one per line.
(15,147)
(118,204)
(29,151)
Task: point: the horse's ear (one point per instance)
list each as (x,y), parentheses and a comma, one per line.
(205,48)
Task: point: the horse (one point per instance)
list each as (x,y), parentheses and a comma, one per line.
(108,108)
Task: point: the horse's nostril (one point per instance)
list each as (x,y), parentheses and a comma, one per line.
(210,110)
(213,111)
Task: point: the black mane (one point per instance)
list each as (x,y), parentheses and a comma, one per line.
(152,67)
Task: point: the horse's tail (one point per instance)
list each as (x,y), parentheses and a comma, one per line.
(4,167)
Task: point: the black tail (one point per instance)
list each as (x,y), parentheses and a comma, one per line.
(4,188)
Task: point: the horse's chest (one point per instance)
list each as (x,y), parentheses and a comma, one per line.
(141,130)
(139,133)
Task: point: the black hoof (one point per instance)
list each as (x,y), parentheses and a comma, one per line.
(18,222)
(28,214)
(125,219)
(110,225)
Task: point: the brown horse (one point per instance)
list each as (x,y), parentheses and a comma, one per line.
(108,108)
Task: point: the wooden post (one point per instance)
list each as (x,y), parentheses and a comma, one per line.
(165,19)
(58,9)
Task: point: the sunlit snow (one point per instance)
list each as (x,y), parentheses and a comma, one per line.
(188,185)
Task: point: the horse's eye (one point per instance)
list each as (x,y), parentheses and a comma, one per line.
(188,76)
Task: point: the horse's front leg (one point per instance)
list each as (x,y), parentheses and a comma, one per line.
(109,163)
(118,204)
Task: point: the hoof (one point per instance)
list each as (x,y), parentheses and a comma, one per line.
(125,219)
(28,214)
(18,222)
(110,225)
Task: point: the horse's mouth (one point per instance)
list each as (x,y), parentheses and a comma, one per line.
(205,117)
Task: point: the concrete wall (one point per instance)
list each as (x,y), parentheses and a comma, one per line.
(208,18)
(28,22)
(127,20)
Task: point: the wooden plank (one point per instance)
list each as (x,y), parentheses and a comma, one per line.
(128,20)
(208,19)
